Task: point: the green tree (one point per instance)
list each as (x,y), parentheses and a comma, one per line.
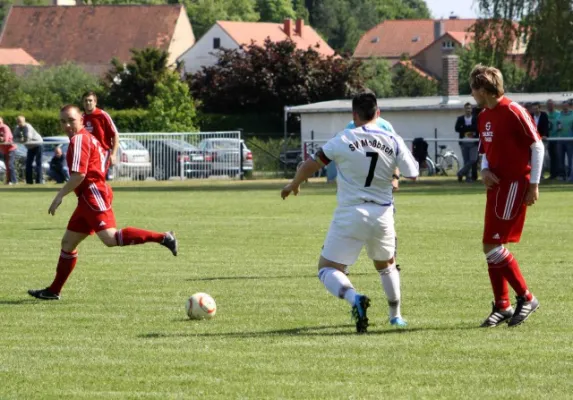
(171,108)
(406,82)
(10,89)
(204,13)
(275,10)
(130,85)
(378,76)
(300,9)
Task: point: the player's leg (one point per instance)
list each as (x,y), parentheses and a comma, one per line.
(505,218)
(104,225)
(381,248)
(340,250)
(66,264)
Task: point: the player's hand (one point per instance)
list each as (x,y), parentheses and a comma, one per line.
(288,189)
(395,185)
(489,178)
(55,204)
(113,159)
(532,195)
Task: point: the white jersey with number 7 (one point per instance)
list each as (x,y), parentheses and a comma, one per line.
(366,158)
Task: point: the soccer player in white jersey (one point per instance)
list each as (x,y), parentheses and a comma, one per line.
(366,158)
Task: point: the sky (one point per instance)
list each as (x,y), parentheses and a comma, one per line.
(461,8)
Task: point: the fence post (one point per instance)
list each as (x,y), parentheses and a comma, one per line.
(436,144)
(241,148)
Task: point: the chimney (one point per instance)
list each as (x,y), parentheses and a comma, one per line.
(288,27)
(450,86)
(299,26)
(439,29)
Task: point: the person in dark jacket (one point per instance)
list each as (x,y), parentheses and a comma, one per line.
(466,126)
(58,169)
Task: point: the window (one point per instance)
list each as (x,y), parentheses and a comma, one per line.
(216,43)
(447,44)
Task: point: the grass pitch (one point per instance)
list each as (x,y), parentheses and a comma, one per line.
(120,330)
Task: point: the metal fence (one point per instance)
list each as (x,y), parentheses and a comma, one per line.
(193,155)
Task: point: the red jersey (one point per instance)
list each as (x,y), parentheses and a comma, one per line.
(506,133)
(86,156)
(100,124)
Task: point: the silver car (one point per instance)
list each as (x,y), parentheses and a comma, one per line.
(224,154)
(132,160)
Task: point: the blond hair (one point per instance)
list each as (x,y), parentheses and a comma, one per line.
(488,78)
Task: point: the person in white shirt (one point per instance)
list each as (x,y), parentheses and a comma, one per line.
(366,158)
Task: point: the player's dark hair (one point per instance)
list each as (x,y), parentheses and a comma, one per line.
(365,105)
(468,104)
(89,93)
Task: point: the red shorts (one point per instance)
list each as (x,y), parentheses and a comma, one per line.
(88,221)
(505,212)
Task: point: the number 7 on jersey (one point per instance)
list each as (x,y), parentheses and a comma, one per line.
(373,162)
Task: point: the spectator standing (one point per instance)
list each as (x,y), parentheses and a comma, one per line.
(466,126)
(8,148)
(542,123)
(58,169)
(553,117)
(26,134)
(565,148)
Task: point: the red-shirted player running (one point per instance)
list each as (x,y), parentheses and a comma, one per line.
(87,164)
(99,123)
(511,169)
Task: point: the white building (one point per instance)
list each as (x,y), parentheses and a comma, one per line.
(233,34)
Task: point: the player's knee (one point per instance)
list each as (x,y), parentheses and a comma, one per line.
(109,241)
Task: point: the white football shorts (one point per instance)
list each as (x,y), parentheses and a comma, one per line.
(354,227)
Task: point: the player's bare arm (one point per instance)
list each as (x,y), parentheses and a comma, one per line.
(75,180)
(489,178)
(306,170)
(115,148)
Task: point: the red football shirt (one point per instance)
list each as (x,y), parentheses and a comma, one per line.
(86,156)
(100,124)
(506,133)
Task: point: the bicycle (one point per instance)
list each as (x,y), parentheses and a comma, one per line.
(447,163)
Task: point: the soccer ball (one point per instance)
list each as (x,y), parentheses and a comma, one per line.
(201,306)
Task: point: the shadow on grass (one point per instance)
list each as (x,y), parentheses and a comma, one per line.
(18,302)
(239,278)
(306,331)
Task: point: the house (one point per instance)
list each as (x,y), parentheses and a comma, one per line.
(424,41)
(17,60)
(91,36)
(232,35)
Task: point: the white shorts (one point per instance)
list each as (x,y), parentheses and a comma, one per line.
(369,225)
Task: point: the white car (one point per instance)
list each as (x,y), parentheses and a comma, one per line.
(133,160)
(224,154)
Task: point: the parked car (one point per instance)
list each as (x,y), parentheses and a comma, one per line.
(225,154)
(174,157)
(133,159)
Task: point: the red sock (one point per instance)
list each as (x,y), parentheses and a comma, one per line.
(513,275)
(66,265)
(130,236)
(499,286)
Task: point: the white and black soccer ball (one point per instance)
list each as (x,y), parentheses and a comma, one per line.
(201,306)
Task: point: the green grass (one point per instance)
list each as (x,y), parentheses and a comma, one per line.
(120,330)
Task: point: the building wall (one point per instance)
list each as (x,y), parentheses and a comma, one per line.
(183,37)
(408,124)
(431,58)
(199,55)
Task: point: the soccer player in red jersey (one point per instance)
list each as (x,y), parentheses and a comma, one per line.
(511,169)
(94,214)
(99,123)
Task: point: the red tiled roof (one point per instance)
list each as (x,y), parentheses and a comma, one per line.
(463,38)
(88,34)
(393,38)
(16,57)
(410,65)
(245,32)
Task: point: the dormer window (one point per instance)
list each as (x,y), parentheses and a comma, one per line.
(375,39)
(416,39)
(447,44)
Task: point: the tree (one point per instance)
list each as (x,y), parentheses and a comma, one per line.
(171,108)
(407,82)
(130,85)
(300,10)
(378,76)
(204,13)
(10,88)
(265,78)
(275,10)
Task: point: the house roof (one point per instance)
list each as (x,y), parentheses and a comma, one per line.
(16,57)
(392,38)
(245,32)
(88,34)
(420,103)
(410,65)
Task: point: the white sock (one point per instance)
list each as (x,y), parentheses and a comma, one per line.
(337,283)
(390,278)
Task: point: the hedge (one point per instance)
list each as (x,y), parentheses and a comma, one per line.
(47,124)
